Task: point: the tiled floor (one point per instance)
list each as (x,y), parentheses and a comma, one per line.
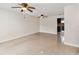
(40,43)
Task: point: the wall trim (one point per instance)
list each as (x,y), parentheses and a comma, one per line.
(48,32)
(70,44)
(23,36)
(20,36)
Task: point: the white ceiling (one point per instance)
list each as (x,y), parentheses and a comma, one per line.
(41,8)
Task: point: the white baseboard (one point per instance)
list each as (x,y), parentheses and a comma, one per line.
(17,37)
(70,44)
(48,33)
(22,36)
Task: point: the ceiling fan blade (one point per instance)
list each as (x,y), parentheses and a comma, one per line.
(15,7)
(29,10)
(23,4)
(32,7)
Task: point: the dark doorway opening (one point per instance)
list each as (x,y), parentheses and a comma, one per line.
(60,24)
(60,29)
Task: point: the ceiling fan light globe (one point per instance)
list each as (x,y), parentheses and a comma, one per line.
(23,8)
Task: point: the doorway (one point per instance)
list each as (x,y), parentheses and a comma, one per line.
(60,29)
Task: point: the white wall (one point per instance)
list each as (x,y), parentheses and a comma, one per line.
(60,16)
(71,16)
(13,25)
(49,25)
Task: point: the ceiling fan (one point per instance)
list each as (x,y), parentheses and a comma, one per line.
(24,7)
(42,16)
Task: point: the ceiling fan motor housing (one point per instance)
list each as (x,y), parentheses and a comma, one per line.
(24,5)
(42,15)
